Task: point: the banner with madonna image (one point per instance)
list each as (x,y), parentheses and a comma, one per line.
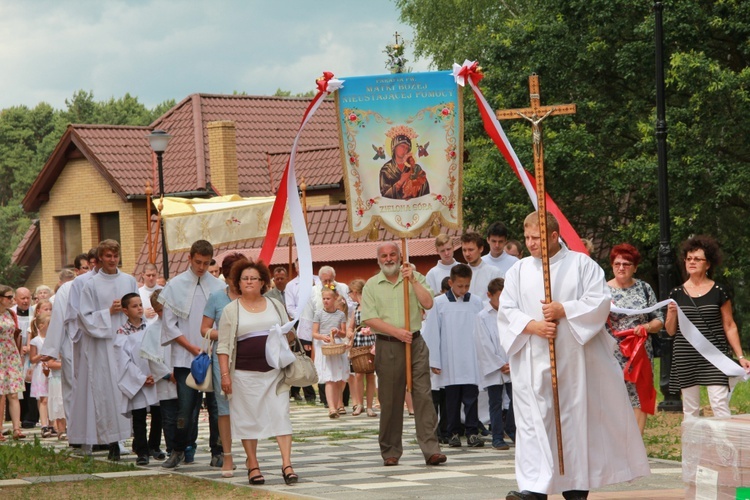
(402,151)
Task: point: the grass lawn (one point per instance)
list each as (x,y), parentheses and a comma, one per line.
(28,459)
(663,434)
(161,487)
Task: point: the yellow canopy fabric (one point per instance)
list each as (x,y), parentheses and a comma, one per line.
(220,220)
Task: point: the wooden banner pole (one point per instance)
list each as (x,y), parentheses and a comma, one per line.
(407,322)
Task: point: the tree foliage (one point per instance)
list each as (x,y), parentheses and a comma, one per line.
(27,138)
(601,163)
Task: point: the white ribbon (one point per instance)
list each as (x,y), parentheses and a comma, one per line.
(701,344)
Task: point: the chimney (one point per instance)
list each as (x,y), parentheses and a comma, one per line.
(222,151)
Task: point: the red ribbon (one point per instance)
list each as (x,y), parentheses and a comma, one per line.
(282,193)
(638,368)
(472,72)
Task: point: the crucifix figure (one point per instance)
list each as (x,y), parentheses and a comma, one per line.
(535,115)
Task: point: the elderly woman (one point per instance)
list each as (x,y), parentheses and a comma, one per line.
(631,332)
(11,367)
(708,307)
(249,381)
(216,303)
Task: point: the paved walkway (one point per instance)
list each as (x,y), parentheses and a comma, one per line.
(339,459)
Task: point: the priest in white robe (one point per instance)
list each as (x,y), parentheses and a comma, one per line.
(97,417)
(601,441)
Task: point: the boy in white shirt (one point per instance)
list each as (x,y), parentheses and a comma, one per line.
(444,247)
(453,358)
(136,382)
(494,371)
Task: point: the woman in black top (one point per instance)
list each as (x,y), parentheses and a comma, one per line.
(708,307)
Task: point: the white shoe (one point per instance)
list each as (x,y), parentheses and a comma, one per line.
(123,449)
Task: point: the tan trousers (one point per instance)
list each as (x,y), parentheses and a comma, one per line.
(390,365)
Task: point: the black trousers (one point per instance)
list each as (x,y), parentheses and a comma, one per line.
(140,444)
(438,401)
(29,408)
(154,435)
(466,395)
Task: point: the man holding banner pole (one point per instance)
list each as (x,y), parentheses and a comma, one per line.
(383,311)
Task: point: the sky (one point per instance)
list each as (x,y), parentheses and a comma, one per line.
(168,49)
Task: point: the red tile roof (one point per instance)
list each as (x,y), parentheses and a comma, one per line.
(265,128)
(29,250)
(263,125)
(319,166)
(329,237)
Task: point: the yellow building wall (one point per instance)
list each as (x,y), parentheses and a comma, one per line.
(35,278)
(320,200)
(81,190)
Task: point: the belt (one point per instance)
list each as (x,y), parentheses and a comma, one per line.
(388,338)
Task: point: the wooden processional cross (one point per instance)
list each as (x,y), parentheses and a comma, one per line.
(536,114)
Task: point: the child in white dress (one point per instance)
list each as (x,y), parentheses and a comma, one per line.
(38,376)
(329,327)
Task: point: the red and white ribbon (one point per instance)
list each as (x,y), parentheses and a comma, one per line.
(287,193)
(696,339)
(469,73)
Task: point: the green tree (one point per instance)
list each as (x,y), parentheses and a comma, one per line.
(28,137)
(601,162)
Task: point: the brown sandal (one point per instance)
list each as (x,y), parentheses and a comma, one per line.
(18,434)
(356,410)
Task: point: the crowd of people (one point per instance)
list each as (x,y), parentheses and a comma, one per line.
(91,360)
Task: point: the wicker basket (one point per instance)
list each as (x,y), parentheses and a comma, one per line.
(333,349)
(363,361)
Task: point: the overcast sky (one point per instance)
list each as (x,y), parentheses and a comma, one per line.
(167,49)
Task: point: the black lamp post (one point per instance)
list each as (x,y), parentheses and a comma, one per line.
(159,140)
(672,400)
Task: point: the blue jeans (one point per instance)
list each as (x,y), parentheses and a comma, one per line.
(189,405)
(499,428)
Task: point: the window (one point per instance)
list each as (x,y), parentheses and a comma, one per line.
(109,226)
(70,239)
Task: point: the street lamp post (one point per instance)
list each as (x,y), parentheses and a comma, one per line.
(672,400)
(159,140)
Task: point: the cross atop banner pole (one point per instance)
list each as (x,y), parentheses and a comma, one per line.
(535,115)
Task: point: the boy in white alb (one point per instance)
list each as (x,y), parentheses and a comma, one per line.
(450,326)
(136,382)
(444,247)
(494,370)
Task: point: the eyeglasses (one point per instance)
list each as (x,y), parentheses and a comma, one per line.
(249,278)
(622,264)
(694,259)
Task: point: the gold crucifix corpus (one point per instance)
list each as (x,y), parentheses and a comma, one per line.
(536,114)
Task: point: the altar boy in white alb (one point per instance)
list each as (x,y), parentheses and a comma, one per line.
(97,416)
(601,440)
(449,330)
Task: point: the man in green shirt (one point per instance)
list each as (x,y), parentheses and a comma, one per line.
(383,312)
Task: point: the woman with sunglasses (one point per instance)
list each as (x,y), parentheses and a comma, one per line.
(11,371)
(631,332)
(708,307)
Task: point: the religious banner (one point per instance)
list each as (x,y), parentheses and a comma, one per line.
(402,150)
(220,220)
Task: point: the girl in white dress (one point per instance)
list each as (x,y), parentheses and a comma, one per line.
(38,377)
(329,327)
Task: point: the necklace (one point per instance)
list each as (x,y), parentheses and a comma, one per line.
(697,289)
(250,305)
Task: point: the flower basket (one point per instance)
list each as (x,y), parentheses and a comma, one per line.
(362,360)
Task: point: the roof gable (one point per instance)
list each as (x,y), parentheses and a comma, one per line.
(121,154)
